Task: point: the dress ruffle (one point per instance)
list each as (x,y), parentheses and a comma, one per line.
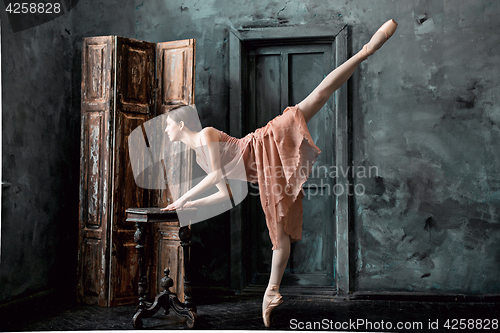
(284,154)
(279,156)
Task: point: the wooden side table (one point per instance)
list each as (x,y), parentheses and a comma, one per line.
(166,299)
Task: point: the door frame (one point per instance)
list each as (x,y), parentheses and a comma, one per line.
(239,43)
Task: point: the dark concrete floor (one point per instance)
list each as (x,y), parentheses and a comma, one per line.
(57,312)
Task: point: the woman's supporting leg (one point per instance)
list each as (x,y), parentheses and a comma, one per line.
(320,95)
(278,265)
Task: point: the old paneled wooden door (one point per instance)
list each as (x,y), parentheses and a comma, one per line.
(119,89)
(175,72)
(134,105)
(95,165)
(282,75)
(270,69)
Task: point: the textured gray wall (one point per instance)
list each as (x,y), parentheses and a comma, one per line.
(40,157)
(423,109)
(427,117)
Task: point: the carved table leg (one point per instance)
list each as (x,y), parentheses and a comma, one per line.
(140,239)
(161,301)
(185,237)
(166,299)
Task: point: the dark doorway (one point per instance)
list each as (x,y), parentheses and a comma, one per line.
(271,74)
(278,76)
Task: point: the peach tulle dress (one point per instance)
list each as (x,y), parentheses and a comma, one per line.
(279,157)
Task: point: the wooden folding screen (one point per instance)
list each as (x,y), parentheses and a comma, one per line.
(126,82)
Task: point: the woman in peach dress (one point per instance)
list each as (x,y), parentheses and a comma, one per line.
(283,144)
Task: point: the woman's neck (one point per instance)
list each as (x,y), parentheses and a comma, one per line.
(191,139)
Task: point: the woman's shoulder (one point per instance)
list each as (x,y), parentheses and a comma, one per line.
(211,134)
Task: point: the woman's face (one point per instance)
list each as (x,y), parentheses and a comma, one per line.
(173,131)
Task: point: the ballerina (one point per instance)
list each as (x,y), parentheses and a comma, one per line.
(280,144)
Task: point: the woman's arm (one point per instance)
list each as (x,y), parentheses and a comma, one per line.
(221,195)
(212,140)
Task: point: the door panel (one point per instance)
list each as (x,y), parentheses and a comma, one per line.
(124,267)
(135,81)
(313,256)
(135,75)
(280,76)
(175,68)
(265,70)
(268,70)
(95,175)
(175,75)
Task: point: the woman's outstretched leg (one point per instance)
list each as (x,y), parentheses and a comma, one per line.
(272,297)
(315,101)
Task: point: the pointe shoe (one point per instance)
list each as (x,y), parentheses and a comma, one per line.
(378,39)
(266,315)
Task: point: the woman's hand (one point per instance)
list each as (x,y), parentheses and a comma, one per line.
(178,204)
(189,204)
